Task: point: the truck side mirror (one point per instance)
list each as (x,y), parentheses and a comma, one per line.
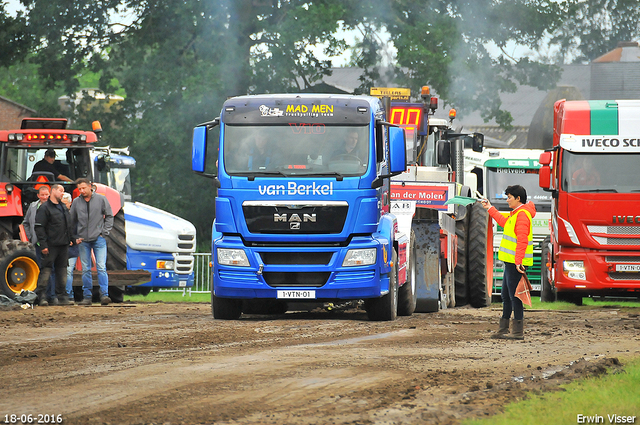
(443,152)
(545,158)
(397,150)
(544,177)
(478,142)
(199,149)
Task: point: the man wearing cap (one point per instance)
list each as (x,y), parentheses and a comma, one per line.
(46,165)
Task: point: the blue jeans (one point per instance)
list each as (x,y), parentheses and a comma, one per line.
(99,247)
(70,267)
(510,302)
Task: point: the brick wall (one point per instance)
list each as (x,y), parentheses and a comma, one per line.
(11,114)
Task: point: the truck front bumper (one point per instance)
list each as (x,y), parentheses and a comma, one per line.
(294,272)
(602,272)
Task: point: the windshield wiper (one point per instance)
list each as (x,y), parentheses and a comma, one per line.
(339,177)
(594,191)
(253,174)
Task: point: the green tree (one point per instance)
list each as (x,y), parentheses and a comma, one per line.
(594,27)
(444,44)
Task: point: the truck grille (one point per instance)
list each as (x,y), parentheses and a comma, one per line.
(625,276)
(183,264)
(612,232)
(296,257)
(289,279)
(186,243)
(289,218)
(621,259)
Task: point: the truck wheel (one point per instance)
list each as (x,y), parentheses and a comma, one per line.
(225,308)
(407,295)
(547,293)
(571,298)
(18,268)
(117,244)
(477,257)
(460,272)
(385,307)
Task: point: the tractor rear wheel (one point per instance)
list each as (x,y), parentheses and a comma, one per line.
(18,268)
(460,272)
(117,244)
(478,259)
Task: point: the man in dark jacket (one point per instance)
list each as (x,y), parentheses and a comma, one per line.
(53,228)
(94,219)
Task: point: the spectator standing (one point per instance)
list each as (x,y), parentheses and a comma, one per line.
(30,231)
(53,229)
(92,215)
(74,251)
(30,217)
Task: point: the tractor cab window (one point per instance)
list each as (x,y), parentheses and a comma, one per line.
(71,162)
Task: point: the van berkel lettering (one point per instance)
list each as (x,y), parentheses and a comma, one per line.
(292,188)
(610,143)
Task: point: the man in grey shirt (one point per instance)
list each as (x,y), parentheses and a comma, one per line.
(94,219)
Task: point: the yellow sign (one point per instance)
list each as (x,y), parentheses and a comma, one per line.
(395,93)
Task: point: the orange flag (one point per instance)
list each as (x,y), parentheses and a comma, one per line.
(523,291)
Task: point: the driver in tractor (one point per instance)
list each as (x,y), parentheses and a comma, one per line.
(46,165)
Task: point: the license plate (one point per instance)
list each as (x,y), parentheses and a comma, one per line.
(182,284)
(297,295)
(628,267)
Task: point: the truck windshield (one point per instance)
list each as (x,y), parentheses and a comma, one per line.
(296,149)
(499,178)
(602,172)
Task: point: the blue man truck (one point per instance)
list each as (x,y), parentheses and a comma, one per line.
(303,204)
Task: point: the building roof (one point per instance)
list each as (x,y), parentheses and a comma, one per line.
(627,51)
(17,105)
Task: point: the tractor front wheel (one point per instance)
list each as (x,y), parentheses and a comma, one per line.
(18,268)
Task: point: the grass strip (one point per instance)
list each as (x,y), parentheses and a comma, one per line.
(596,399)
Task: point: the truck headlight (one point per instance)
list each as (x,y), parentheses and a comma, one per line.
(164,264)
(232,257)
(574,269)
(359,257)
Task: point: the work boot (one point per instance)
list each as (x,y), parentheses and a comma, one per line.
(43,302)
(105,300)
(517,330)
(85,301)
(503,330)
(54,301)
(64,301)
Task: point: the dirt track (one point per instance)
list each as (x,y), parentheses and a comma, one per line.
(172,363)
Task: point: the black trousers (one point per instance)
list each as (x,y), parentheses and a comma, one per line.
(58,256)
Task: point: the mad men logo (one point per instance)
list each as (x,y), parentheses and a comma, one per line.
(306,111)
(292,188)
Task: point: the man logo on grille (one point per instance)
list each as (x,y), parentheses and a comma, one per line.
(294,220)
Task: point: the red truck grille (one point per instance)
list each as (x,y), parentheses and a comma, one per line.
(615,235)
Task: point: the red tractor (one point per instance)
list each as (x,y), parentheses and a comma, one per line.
(19,151)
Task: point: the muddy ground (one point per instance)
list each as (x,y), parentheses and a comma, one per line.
(172,363)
